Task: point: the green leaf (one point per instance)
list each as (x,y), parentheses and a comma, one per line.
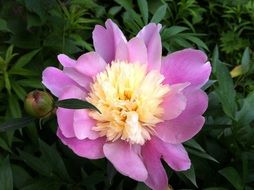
(208,84)
(215,188)
(190,175)
(25,59)
(173,30)
(32,83)
(19,90)
(192,143)
(55,161)
(14,106)
(128,6)
(22,72)
(20,176)
(75,104)
(233,177)
(6,179)
(159,14)
(201,154)
(16,123)
(7,82)
(141,186)
(43,184)
(3,26)
(4,145)
(36,164)
(245,62)
(225,89)
(246,113)
(197,41)
(143,7)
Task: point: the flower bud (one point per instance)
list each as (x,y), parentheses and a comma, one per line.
(39,104)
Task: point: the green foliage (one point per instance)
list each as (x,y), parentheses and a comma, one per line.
(33,32)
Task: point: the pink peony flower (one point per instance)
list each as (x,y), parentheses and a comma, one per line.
(149,104)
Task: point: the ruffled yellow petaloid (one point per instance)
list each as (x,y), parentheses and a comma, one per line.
(129,99)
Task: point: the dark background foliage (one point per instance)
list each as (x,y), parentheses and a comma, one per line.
(33,32)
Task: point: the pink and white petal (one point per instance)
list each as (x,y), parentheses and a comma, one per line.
(174,154)
(189,122)
(187,65)
(65,116)
(137,51)
(157,178)
(174,102)
(66,61)
(83,125)
(106,40)
(91,149)
(151,36)
(125,160)
(81,79)
(90,64)
(56,81)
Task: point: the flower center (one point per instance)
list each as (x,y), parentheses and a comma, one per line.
(129,99)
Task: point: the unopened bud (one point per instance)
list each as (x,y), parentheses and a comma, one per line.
(39,104)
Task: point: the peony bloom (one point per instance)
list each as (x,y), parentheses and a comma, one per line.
(149,104)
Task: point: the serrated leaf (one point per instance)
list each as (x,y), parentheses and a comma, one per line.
(6,179)
(159,14)
(75,104)
(143,7)
(233,177)
(16,123)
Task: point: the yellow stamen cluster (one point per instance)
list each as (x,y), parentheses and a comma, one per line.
(129,99)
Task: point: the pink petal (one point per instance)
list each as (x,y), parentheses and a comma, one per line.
(65,116)
(81,79)
(125,160)
(66,61)
(187,65)
(189,122)
(157,177)
(133,51)
(106,40)
(174,154)
(174,102)
(151,36)
(122,52)
(56,81)
(90,64)
(137,51)
(83,125)
(91,149)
